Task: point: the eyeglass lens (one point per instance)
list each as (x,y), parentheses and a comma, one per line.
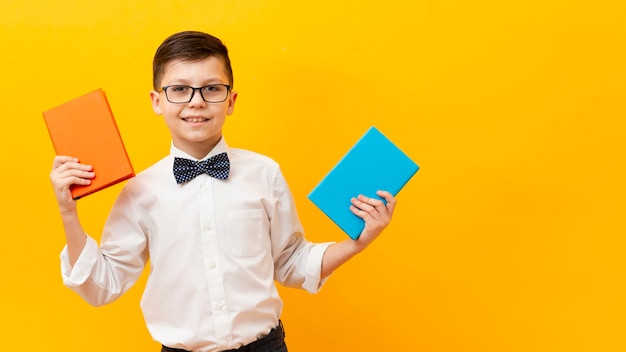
(213,93)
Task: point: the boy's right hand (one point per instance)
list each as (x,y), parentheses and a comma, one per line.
(67,171)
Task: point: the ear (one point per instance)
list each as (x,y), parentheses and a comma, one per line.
(231,102)
(156,102)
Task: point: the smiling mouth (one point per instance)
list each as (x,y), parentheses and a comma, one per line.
(195,119)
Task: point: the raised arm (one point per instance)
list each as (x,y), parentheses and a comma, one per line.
(377,216)
(67,171)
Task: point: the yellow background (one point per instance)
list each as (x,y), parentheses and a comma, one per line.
(509,238)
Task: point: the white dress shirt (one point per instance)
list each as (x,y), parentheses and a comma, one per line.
(214,246)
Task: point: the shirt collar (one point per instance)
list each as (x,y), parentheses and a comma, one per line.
(220,147)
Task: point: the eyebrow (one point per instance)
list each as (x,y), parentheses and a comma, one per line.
(186,82)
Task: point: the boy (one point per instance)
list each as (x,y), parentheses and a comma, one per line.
(216,238)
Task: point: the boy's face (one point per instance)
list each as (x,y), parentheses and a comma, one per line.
(196,126)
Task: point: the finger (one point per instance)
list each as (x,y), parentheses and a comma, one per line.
(78,180)
(73,176)
(373,206)
(70,166)
(374,202)
(62,159)
(363,214)
(390,199)
(67,175)
(363,203)
(80,174)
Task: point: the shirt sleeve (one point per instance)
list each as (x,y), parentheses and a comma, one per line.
(103,273)
(297,261)
(312,279)
(78,274)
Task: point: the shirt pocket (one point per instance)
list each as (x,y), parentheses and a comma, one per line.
(244,232)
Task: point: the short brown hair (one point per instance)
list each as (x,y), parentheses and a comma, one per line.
(188,46)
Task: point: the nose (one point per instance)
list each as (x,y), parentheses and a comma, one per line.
(196,98)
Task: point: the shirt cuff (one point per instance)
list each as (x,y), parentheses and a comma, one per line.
(77,275)
(312,281)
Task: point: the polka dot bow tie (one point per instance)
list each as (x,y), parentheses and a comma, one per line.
(216,166)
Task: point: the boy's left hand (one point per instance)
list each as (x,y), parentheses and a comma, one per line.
(375,213)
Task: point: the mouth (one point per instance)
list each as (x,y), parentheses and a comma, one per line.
(194,119)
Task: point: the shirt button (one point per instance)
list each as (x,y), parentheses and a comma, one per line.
(212,265)
(204,188)
(206,226)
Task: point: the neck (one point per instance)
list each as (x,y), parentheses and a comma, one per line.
(197,150)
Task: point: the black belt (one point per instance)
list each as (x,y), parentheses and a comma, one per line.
(277,333)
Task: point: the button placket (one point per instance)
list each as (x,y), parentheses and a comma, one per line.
(213,273)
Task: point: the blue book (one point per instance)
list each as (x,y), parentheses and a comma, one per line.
(373,163)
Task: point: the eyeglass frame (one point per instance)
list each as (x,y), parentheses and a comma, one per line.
(193,92)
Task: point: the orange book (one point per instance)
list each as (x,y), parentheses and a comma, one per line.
(85,128)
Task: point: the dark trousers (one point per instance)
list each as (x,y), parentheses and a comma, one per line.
(272,342)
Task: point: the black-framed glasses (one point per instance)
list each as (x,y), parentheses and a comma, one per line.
(180,94)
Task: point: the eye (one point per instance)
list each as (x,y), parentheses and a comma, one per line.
(179,89)
(212,88)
